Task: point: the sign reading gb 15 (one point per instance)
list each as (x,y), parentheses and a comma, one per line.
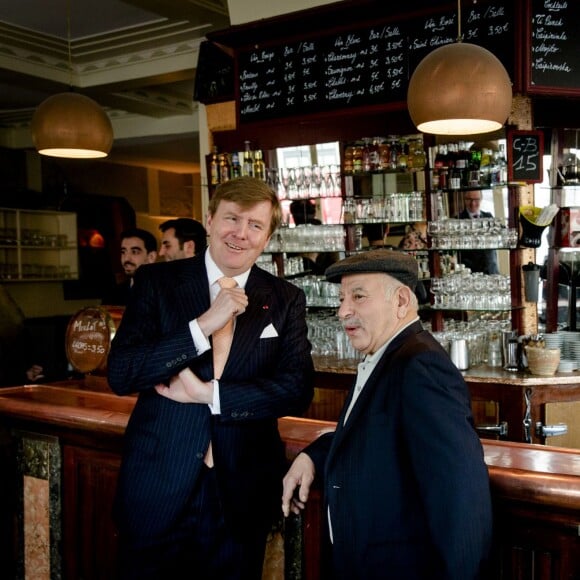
(525,152)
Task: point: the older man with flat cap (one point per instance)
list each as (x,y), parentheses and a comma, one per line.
(406,488)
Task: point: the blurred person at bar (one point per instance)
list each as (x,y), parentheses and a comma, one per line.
(138,247)
(477,260)
(406,488)
(182,238)
(304,212)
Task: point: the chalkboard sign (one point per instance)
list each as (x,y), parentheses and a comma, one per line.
(554,52)
(525,152)
(363,66)
(88,337)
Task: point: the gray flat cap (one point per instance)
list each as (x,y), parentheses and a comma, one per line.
(399,265)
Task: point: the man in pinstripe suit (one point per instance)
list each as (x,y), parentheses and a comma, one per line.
(200,479)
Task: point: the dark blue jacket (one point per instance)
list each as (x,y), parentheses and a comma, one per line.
(405,478)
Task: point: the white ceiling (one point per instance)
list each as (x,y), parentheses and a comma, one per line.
(137,58)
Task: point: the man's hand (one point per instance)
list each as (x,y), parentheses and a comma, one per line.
(229,303)
(187,388)
(34,373)
(301,474)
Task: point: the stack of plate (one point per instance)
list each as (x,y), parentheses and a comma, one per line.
(555,340)
(567,366)
(570,344)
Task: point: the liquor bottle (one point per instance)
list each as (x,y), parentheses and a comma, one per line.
(384,155)
(248,166)
(347,165)
(214,170)
(503,166)
(374,155)
(225,168)
(366,155)
(485,166)
(357,158)
(259,165)
(403,155)
(236,167)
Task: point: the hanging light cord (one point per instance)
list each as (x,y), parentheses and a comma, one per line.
(459,35)
(70,67)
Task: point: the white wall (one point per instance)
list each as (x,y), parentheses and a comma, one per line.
(242,11)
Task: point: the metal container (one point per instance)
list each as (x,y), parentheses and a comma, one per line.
(459,353)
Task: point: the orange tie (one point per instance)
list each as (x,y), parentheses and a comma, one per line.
(222,340)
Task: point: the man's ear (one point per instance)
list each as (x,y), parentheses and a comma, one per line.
(189,248)
(404,296)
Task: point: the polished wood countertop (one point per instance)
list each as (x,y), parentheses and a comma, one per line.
(482,373)
(68,407)
(540,474)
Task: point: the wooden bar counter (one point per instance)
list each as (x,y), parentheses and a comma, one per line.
(60,449)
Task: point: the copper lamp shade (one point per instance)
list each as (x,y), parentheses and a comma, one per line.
(459,89)
(71,125)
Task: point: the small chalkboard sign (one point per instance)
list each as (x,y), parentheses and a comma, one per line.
(554,48)
(525,152)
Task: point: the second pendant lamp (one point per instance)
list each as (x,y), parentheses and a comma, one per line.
(459,89)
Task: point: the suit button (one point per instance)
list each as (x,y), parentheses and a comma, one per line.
(169,365)
(199,455)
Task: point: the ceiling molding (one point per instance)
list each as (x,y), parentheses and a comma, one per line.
(137,60)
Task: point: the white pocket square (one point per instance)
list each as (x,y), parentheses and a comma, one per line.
(269,332)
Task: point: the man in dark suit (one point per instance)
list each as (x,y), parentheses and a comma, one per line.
(406,487)
(200,481)
(477,260)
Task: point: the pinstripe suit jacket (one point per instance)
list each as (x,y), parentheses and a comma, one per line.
(165,441)
(404,478)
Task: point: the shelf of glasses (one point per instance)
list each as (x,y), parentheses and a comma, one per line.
(471,309)
(465,249)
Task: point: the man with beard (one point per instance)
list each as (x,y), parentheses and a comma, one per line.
(138,247)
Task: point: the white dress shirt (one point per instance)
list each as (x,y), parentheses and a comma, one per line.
(201,342)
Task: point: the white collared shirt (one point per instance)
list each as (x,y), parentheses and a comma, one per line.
(367,366)
(201,342)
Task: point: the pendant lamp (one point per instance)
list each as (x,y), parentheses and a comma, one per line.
(70,124)
(459,89)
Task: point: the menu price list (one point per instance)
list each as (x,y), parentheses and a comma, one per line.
(555,44)
(359,67)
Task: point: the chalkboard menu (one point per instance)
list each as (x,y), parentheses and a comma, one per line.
(363,66)
(555,46)
(525,152)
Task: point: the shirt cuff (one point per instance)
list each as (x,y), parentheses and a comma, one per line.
(215,406)
(200,341)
